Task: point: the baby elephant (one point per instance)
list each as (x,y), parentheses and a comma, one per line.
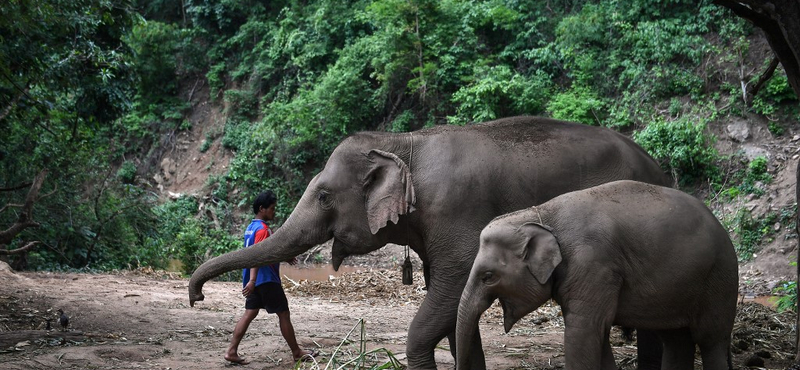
(624,253)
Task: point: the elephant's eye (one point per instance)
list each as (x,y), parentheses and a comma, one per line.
(325,199)
(488,277)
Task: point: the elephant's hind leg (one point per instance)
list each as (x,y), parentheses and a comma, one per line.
(648,350)
(607,357)
(715,356)
(679,349)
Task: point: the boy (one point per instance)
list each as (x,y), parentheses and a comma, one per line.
(262,286)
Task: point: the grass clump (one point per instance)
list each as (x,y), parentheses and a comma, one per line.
(359,359)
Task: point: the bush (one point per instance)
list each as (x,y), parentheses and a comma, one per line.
(788,295)
(579,104)
(756,173)
(775,92)
(127,172)
(500,92)
(749,232)
(188,237)
(683,147)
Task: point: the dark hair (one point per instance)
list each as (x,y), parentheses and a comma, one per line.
(265,200)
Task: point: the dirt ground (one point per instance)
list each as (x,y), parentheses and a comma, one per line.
(142,320)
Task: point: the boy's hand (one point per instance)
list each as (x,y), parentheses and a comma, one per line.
(249,288)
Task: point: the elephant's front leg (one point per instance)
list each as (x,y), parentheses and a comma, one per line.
(586,344)
(435,320)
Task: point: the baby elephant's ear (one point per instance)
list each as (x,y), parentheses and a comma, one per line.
(541,251)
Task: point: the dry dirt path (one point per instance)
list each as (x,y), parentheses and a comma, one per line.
(143,321)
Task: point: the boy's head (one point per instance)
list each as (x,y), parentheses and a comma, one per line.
(265,200)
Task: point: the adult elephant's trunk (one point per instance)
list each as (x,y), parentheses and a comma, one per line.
(473,304)
(293,238)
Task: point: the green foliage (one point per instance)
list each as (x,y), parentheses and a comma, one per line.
(787,292)
(579,105)
(775,92)
(188,237)
(205,145)
(91,83)
(683,146)
(344,357)
(751,179)
(500,92)
(127,172)
(194,244)
(155,46)
(756,172)
(748,232)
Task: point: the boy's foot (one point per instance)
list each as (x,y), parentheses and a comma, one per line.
(236,360)
(306,356)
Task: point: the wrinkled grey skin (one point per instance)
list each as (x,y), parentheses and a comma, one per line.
(623,253)
(435,189)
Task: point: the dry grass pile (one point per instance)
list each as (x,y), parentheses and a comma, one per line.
(761,330)
(383,287)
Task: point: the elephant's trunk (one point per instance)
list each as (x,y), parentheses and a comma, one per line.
(289,241)
(473,304)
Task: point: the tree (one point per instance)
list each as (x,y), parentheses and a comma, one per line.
(65,77)
(780,21)
(25,218)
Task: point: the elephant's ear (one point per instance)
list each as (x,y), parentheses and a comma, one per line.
(389,189)
(541,251)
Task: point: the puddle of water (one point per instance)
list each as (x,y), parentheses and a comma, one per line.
(315,272)
(767,301)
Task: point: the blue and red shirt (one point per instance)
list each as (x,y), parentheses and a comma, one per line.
(256,232)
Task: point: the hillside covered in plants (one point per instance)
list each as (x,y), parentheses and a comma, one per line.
(116,99)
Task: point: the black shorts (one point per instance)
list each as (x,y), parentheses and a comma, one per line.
(269,296)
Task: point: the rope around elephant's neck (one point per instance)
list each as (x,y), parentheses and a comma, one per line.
(411,155)
(410,161)
(538,214)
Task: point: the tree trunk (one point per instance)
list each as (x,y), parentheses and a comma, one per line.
(780,21)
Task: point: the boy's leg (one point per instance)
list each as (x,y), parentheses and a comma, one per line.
(232,354)
(287,330)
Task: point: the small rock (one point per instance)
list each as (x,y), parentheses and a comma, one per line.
(540,320)
(739,131)
(795,137)
(777,226)
(754,361)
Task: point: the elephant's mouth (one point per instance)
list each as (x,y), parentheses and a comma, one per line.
(509,318)
(338,253)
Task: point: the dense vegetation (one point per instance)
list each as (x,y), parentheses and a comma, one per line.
(93,89)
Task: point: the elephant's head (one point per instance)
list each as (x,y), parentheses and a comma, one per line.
(514,264)
(358,193)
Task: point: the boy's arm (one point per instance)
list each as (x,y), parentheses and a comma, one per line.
(250,287)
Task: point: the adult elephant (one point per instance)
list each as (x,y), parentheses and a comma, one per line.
(434,190)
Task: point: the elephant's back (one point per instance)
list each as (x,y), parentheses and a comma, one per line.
(666,243)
